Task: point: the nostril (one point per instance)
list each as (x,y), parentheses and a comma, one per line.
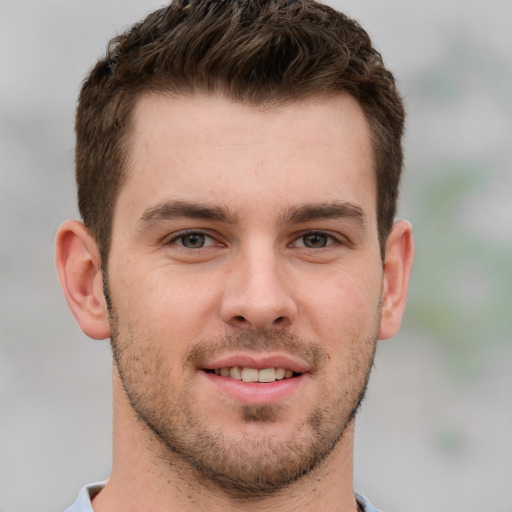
(258,321)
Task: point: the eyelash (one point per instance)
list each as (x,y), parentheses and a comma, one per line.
(330,240)
(184,234)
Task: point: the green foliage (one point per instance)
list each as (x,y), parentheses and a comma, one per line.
(461,291)
(458,194)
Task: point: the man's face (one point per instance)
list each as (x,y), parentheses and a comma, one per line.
(245,247)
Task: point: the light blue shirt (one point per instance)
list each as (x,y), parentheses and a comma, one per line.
(83,502)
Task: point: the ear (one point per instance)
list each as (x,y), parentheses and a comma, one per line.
(79,268)
(397,269)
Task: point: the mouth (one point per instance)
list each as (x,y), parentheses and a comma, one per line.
(257,378)
(250,374)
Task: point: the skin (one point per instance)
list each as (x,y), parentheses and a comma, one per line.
(248,233)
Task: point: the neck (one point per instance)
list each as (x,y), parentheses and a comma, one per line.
(146,476)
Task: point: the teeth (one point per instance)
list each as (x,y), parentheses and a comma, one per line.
(235,372)
(250,374)
(267,375)
(247,374)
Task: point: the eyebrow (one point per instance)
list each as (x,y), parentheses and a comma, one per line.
(169,210)
(320,211)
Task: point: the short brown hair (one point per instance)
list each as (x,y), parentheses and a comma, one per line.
(257,51)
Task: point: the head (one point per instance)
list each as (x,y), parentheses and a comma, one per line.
(238,167)
(265,53)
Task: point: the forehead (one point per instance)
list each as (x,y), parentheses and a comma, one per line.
(210,148)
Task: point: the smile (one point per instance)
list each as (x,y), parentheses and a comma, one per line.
(248,374)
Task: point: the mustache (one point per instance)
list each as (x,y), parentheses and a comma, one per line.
(273,341)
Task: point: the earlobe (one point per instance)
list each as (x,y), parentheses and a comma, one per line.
(397,270)
(79,268)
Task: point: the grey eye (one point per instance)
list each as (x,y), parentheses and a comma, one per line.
(193,240)
(315,240)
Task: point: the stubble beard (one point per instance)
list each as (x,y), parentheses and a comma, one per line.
(246,466)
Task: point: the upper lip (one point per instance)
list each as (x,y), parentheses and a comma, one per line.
(258,361)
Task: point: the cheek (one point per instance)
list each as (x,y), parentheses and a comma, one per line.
(344,302)
(166,306)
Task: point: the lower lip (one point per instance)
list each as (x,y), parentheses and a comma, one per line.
(254,392)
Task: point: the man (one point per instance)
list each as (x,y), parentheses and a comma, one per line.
(238,165)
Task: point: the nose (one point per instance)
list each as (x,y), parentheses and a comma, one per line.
(256,294)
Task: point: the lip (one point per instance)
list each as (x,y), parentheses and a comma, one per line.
(258,362)
(257,393)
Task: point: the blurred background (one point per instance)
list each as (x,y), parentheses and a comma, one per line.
(435,432)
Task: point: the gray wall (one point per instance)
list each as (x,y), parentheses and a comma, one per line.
(435,431)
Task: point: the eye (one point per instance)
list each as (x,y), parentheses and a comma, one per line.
(315,240)
(193,240)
